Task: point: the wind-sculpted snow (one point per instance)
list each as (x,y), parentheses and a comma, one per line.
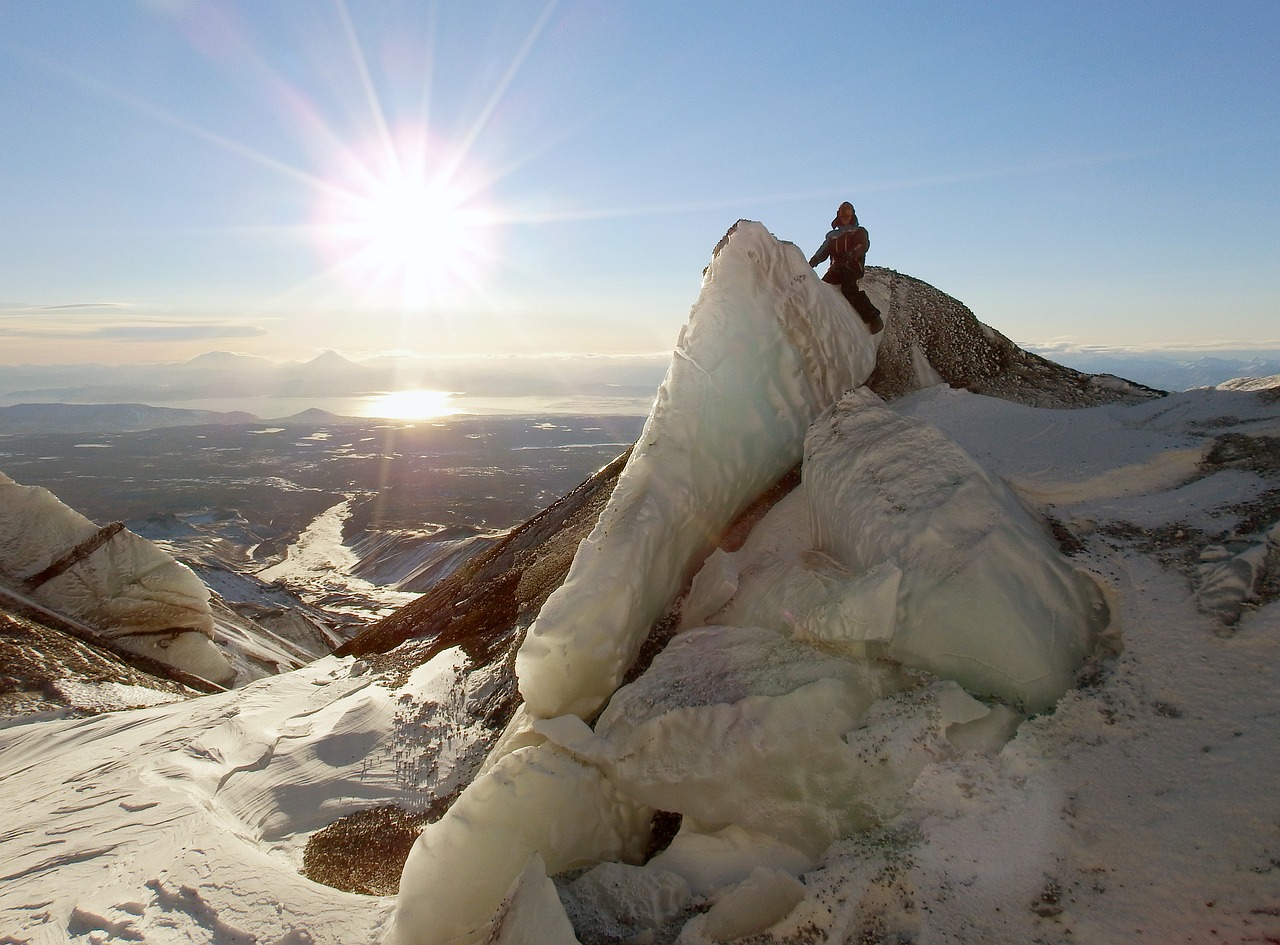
(122,586)
(983,596)
(768,347)
(186,818)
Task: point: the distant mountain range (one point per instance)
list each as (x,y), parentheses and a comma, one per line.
(1167,370)
(222,375)
(127,418)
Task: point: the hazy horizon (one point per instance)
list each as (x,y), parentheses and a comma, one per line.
(421,387)
(1167,349)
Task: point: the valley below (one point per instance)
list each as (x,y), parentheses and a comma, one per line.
(353,515)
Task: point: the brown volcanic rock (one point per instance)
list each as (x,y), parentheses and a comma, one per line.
(479,606)
(924,323)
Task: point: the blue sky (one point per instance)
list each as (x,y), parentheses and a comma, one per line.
(181,176)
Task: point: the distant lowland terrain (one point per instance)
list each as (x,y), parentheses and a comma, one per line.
(484,472)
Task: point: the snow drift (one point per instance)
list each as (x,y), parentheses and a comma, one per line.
(914,578)
(123,586)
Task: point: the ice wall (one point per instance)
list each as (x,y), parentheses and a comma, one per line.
(768,346)
(128,589)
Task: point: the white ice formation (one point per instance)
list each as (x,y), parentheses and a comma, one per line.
(819,668)
(537,800)
(983,596)
(768,347)
(126,589)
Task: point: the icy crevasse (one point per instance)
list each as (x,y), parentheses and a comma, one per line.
(767,348)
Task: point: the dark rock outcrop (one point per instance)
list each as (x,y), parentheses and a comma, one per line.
(922,322)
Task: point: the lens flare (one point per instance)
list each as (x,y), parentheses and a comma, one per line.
(405,223)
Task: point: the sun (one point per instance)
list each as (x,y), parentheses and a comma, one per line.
(408,224)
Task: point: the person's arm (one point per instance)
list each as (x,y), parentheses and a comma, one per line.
(861,243)
(823,253)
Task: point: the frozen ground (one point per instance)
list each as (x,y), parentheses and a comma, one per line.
(1141,808)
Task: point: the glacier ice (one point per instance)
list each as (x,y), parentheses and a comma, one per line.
(984,596)
(817,669)
(531,913)
(738,725)
(768,346)
(765,898)
(711,861)
(534,800)
(128,590)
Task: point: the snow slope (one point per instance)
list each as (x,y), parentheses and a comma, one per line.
(185,822)
(826,796)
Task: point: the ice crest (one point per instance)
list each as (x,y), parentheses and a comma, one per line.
(125,588)
(767,348)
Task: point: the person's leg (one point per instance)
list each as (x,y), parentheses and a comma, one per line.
(863,305)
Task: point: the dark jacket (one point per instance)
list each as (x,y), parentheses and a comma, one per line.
(846,247)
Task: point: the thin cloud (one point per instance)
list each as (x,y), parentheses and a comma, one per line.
(175,332)
(1068,347)
(62,331)
(16,310)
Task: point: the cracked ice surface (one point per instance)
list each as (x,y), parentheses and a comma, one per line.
(768,347)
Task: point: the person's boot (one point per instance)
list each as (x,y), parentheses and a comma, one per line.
(875,324)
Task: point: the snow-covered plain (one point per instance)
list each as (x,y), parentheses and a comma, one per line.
(827,795)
